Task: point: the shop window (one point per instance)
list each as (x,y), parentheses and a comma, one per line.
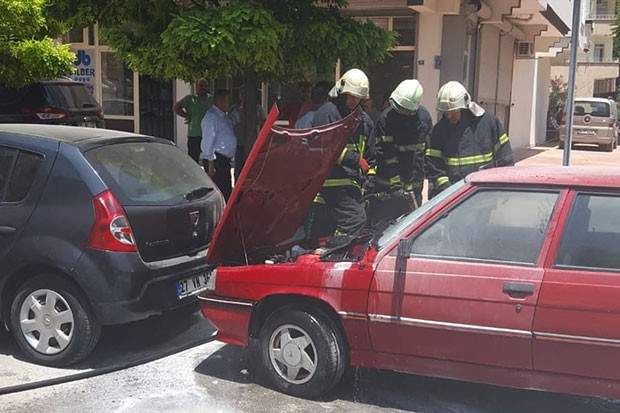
(405,27)
(117,86)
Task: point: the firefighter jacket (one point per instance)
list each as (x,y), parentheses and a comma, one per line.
(454,151)
(347,171)
(401,143)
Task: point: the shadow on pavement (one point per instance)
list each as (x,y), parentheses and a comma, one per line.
(120,346)
(378,389)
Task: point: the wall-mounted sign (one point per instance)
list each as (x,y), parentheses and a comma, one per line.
(85,69)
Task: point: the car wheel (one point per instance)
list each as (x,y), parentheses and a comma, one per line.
(52,321)
(608,147)
(561,145)
(302,352)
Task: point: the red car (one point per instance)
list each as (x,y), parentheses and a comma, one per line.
(511,277)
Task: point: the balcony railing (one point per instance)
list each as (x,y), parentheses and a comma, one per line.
(598,16)
(594,59)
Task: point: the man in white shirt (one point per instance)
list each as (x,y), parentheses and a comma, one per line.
(218,142)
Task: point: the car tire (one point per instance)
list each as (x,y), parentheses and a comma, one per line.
(609,147)
(312,360)
(61,330)
(561,145)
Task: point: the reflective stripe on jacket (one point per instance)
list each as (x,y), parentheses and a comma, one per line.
(401,141)
(457,150)
(347,170)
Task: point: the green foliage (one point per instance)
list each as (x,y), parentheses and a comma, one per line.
(27,51)
(187,39)
(616,31)
(558,93)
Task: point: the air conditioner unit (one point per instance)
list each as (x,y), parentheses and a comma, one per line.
(525,49)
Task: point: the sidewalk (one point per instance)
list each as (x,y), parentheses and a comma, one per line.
(581,155)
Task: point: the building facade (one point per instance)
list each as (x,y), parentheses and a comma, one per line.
(597,68)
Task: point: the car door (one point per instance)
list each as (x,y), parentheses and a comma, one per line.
(466,288)
(577,322)
(24,167)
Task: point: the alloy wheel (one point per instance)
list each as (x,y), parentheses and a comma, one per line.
(293,354)
(47,322)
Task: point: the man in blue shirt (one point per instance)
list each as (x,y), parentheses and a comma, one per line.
(218,142)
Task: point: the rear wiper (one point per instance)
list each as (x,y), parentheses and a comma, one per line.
(198,193)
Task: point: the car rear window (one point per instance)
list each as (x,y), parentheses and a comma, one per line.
(69,95)
(147,173)
(599,109)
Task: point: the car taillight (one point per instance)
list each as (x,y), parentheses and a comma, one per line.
(611,124)
(111,230)
(45,113)
(563,122)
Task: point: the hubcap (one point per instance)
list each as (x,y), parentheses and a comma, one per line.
(46,321)
(293,354)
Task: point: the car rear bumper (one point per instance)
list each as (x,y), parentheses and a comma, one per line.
(122,288)
(590,139)
(230,316)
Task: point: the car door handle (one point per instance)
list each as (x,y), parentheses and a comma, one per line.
(518,289)
(7,230)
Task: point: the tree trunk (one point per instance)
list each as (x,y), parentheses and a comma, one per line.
(251,100)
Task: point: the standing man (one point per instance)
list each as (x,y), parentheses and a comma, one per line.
(342,191)
(193,108)
(400,135)
(218,142)
(464,140)
(319,96)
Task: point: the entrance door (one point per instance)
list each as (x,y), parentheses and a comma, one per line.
(469,286)
(156,117)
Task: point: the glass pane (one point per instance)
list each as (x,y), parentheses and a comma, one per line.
(405,27)
(384,77)
(91,35)
(382,22)
(117,86)
(143,173)
(592,233)
(505,226)
(6,162)
(25,172)
(76,35)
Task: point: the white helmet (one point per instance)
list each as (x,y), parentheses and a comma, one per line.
(406,97)
(452,96)
(354,82)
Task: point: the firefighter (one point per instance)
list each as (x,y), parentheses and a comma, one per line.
(400,137)
(464,140)
(342,191)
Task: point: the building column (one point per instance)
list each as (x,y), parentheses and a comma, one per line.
(181,89)
(428,49)
(530,99)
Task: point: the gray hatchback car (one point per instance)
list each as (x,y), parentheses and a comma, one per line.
(97,227)
(595,121)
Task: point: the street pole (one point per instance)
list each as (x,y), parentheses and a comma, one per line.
(572,70)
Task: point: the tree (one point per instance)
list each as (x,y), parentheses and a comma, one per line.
(558,93)
(260,39)
(27,51)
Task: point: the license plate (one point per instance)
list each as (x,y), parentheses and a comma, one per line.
(196,284)
(88,124)
(585,132)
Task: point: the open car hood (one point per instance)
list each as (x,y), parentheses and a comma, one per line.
(283,173)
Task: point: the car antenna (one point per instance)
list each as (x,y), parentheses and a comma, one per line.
(245,251)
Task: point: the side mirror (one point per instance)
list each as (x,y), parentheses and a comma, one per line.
(404,249)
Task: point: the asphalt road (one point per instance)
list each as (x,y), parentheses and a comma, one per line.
(219,378)
(213,377)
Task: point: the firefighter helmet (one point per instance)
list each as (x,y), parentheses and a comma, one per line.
(452,96)
(407,96)
(354,82)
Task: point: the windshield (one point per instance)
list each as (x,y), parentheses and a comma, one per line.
(401,224)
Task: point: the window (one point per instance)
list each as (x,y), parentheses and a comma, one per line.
(491,225)
(18,171)
(7,157)
(117,86)
(599,52)
(592,233)
(147,173)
